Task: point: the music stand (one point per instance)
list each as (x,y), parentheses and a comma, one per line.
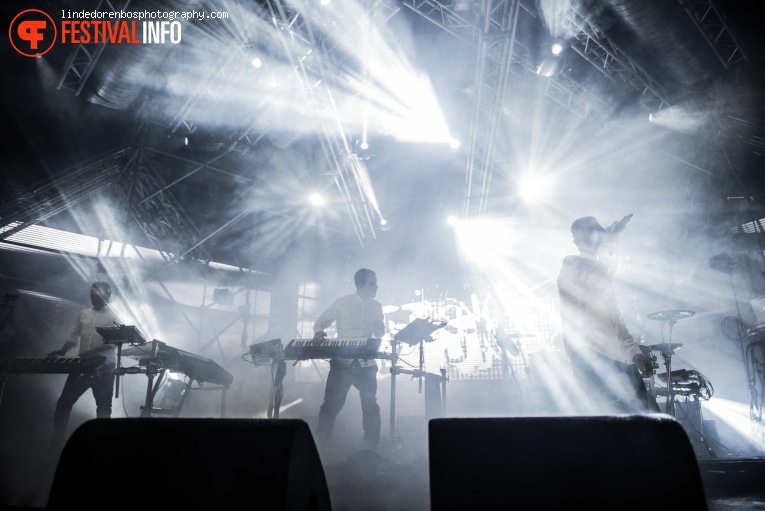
(418,331)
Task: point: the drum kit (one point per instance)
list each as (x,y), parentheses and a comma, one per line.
(667,349)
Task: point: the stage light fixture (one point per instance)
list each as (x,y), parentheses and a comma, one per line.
(454,143)
(256,62)
(550,66)
(552,62)
(202,142)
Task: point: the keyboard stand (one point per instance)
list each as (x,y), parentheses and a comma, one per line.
(278,371)
(418,331)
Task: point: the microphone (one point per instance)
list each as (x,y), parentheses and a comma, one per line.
(622,223)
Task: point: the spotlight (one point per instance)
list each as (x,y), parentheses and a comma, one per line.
(451,220)
(256,62)
(363,152)
(533,188)
(552,62)
(383,221)
(316,199)
(454,143)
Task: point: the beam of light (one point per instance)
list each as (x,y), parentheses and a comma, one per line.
(556,16)
(362,176)
(736,415)
(515,258)
(375,92)
(680,118)
(402,103)
(124,265)
(379,86)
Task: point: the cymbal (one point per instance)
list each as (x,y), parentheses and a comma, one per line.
(665,346)
(671,315)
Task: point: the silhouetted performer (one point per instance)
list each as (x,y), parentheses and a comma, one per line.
(91,343)
(605,359)
(358,316)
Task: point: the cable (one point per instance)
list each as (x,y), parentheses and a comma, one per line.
(706,391)
(122,389)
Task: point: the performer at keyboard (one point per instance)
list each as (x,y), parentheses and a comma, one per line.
(357,316)
(91,343)
(606,361)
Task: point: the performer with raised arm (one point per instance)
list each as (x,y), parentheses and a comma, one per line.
(356,316)
(606,361)
(91,344)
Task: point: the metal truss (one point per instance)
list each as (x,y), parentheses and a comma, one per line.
(606,57)
(84,57)
(492,32)
(494,57)
(228,75)
(315,71)
(155,210)
(576,99)
(59,193)
(134,182)
(711,23)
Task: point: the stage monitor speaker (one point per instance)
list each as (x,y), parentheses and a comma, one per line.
(553,463)
(191,463)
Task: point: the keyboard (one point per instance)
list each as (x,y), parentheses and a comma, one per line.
(304,349)
(197,368)
(51,364)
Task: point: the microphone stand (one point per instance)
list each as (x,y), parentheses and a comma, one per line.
(667,354)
